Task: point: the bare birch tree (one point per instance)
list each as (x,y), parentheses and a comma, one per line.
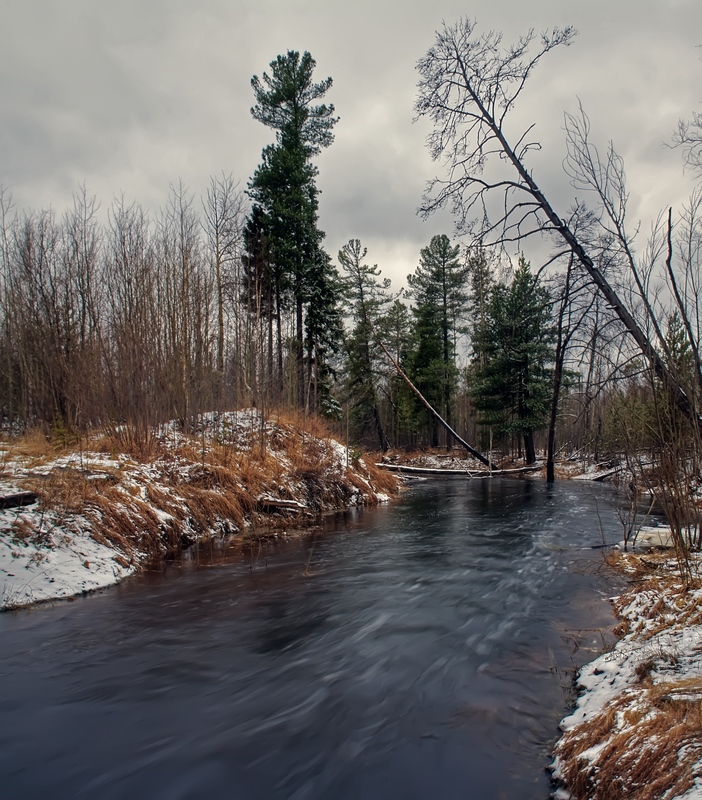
(224,208)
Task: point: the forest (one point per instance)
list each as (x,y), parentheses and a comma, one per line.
(116,317)
(206,380)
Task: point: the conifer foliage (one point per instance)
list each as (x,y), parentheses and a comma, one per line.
(368,296)
(512,351)
(285,207)
(438,289)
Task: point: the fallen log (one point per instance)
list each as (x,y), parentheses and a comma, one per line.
(475,453)
(18,499)
(597,476)
(424,470)
(276,504)
(438,471)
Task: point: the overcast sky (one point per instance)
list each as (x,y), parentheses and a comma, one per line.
(131,96)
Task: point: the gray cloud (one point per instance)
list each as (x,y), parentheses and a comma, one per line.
(133,96)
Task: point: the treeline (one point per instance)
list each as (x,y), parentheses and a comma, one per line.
(114,316)
(143,319)
(128,321)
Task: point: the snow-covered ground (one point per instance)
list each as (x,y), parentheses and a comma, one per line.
(65,563)
(101,516)
(636,731)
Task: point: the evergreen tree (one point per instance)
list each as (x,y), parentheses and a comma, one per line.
(481,280)
(368,296)
(323,334)
(438,289)
(397,333)
(512,350)
(284,187)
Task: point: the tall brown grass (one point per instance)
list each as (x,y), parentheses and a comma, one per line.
(165,496)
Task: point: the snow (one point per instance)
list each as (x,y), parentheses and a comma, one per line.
(660,655)
(695,791)
(46,555)
(61,562)
(649,536)
(601,681)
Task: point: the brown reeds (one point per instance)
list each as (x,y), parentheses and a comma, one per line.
(163,495)
(644,754)
(645,744)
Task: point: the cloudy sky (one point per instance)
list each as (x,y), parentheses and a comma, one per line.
(131,96)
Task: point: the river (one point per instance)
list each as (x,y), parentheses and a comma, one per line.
(424,649)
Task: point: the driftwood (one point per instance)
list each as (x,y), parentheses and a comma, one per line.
(274,504)
(424,470)
(18,499)
(475,453)
(472,473)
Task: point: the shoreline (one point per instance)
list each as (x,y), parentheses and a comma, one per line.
(101,516)
(636,729)
(638,713)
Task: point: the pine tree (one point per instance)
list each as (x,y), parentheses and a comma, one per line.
(367,295)
(323,334)
(398,336)
(284,187)
(512,349)
(438,290)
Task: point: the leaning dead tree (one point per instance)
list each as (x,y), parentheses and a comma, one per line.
(430,408)
(469,84)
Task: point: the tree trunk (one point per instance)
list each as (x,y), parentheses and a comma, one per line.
(299,353)
(382,438)
(557,379)
(529,451)
(433,411)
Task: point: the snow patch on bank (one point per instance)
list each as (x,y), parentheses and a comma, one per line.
(55,562)
(637,717)
(267,470)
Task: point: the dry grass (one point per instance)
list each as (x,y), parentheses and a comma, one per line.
(141,445)
(37,444)
(382,480)
(165,495)
(649,739)
(648,756)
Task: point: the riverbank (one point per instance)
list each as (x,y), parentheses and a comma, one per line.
(636,731)
(99,512)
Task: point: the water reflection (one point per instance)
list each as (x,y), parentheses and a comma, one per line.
(422,650)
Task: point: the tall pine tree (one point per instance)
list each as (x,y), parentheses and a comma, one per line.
(284,188)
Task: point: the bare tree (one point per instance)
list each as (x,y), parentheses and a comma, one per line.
(224,208)
(469,84)
(688,137)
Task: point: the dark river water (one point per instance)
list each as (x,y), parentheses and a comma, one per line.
(421,650)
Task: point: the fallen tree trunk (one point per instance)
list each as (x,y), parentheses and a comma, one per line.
(475,453)
(17,500)
(272,504)
(437,471)
(406,470)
